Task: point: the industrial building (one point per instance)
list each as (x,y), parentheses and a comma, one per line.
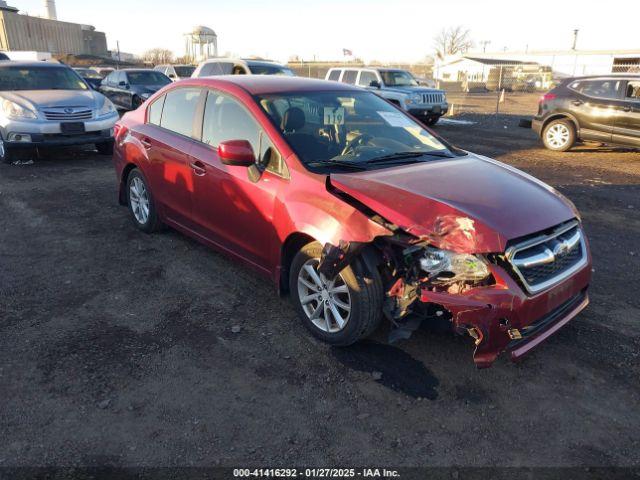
(20,32)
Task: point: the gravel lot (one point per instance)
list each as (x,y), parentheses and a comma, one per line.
(118,348)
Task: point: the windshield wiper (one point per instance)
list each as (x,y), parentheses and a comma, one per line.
(407,155)
(338,163)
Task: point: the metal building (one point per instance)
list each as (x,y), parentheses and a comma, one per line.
(23,32)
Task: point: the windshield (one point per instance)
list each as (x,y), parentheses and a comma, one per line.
(258,69)
(147,77)
(40,78)
(398,78)
(338,130)
(183,72)
(88,73)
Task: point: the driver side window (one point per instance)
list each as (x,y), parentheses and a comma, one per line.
(226,119)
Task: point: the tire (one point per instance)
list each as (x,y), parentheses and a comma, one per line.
(364,295)
(432,121)
(105,148)
(559,135)
(6,154)
(136,102)
(150,222)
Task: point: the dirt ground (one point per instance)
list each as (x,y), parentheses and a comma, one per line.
(118,348)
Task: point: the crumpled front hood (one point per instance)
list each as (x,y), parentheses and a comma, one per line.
(468,204)
(37,99)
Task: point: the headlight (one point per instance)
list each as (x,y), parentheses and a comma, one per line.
(444,265)
(107,108)
(13,110)
(413,99)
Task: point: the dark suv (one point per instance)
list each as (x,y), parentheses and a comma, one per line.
(596,108)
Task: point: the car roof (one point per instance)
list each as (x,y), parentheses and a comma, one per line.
(263,84)
(606,75)
(18,63)
(135,70)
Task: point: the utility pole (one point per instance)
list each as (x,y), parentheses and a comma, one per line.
(118,55)
(575,39)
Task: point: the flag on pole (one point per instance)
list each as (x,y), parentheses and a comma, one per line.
(346,52)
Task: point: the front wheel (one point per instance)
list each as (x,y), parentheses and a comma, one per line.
(338,311)
(136,102)
(431,121)
(6,155)
(559,135)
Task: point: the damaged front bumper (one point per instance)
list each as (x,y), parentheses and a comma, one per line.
(502,317)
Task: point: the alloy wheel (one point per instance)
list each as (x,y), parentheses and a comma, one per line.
(327,303)
(558,135)
(139,199)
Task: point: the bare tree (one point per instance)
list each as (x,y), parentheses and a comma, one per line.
(452,40)
(158,56)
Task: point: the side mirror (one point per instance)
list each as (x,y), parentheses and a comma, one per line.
(238,153)
(374,84)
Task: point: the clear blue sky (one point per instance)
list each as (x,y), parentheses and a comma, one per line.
(373,29)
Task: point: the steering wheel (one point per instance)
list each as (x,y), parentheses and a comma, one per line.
(356,142)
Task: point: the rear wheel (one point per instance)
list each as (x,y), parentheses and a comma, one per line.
(339,311)
(141,204)
(559,135)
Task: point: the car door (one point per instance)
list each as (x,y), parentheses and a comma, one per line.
(627,125)
(366,77)
(234,206)
(594,103)
(169,142)
(106,87)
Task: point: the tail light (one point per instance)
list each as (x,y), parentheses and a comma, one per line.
(119,130)
(547,97)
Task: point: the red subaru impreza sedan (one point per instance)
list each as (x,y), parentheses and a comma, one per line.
(356,211)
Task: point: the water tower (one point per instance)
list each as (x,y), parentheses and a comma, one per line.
(50,9)
(201,43)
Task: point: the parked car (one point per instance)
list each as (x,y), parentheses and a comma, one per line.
(90,76)
(103,71)
(129,88)
(176,72)
(354,209)
(595,108)
(47,104)
(4,56)
(399,87)
(238,66)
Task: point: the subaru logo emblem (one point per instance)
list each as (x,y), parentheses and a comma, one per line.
(68,110)
(561,248)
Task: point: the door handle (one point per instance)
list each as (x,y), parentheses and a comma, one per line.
(146,143)
(198,168)
(577,103)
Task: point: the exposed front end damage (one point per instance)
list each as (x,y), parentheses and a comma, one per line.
(435,273)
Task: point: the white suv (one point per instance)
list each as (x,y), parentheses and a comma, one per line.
(239,66)
(399,87)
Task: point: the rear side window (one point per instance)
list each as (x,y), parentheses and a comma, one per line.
(334,75)
(633,90)
(607,88)
(155,111)
(209,69)
(179,110)
(366,78)
(350,77)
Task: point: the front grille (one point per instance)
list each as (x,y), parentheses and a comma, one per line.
(545,260)
(68,114)
(432,98)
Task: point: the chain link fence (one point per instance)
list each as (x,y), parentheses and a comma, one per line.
(486,86)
